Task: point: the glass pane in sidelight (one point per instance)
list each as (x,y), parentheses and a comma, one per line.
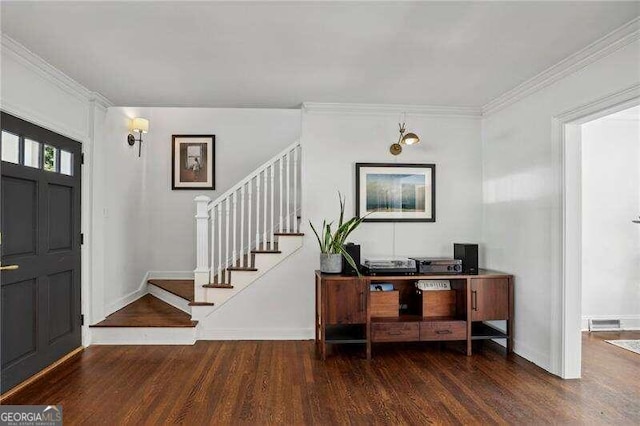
(50,158)
(10,148)
(66,163)
(31,153)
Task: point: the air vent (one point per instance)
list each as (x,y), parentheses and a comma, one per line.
(604,325)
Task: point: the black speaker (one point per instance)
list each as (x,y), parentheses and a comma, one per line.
(354,252)
(468,253)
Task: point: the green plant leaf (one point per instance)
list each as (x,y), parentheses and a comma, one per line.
(333,242)
(328,239)
(318,237)
(341,209)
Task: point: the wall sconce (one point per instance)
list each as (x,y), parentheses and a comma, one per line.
(140,125)
(404,139)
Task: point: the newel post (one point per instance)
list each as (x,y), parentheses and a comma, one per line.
(201,273)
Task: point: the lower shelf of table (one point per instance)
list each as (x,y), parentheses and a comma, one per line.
(483,331)
(411,329)
(345,334)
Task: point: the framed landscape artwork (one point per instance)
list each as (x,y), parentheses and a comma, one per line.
(193,161)
(390,192)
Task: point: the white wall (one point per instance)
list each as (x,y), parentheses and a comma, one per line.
(522,187)
(121,212)
(610,200)
(280,304)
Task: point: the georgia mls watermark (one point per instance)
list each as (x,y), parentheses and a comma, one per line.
(30,415)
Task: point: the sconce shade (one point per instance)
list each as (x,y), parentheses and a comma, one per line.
(410,139)
(139,125)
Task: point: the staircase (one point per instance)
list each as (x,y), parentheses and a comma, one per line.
(240,236)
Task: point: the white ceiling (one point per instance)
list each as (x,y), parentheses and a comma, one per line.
(249,54)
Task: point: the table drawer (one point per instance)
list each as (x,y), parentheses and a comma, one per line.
(395,332)
(443,330)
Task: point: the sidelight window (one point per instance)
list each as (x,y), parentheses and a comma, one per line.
(31,153)
(10,147)
(66,162)
(50,158)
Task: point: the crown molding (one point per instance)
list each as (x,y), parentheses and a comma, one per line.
(38,65)
(100,100)
(621,100)
(615,40)
(384,109)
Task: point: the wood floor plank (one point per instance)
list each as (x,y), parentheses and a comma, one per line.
(282,382)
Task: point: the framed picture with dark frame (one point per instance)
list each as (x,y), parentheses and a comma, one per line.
(390,192)
(193,161)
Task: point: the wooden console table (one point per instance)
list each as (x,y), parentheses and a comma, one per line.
(345,313)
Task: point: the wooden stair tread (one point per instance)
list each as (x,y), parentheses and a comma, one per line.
(241,268)
(284,234)
(180,288)
(148,311)
(200,304)
(217,286)
(266,251)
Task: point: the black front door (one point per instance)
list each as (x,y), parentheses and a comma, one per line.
(40,248)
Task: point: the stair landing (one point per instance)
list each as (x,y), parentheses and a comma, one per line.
(148,311)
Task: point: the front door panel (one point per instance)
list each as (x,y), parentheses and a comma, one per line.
(40,225)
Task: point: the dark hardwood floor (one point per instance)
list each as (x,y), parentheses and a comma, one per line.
(281,382)
(148,311)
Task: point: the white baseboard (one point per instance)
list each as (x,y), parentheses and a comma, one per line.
(143,336)
(540,359)
(131,297)
(627,322)
(257,334)
(170,275)
(170,298)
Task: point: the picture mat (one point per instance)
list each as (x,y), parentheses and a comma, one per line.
(193,140)
(426,172)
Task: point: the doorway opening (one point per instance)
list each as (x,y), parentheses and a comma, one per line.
(601,251)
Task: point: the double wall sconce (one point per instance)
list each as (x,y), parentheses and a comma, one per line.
(404,139)
(140,125)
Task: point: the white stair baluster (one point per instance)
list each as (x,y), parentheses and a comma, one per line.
(295,190)
(227,236)
(212,265)
(280,197)
(242,261)
(271,240)
(219,208)
(249,217)
(288,205)
(258,211)
(264,219)
(234,253)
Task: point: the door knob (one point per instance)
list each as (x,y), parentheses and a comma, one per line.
(9,267)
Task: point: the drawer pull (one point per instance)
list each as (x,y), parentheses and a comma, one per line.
(394,333)
(443,331)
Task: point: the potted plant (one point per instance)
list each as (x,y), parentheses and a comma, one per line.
(332,243)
